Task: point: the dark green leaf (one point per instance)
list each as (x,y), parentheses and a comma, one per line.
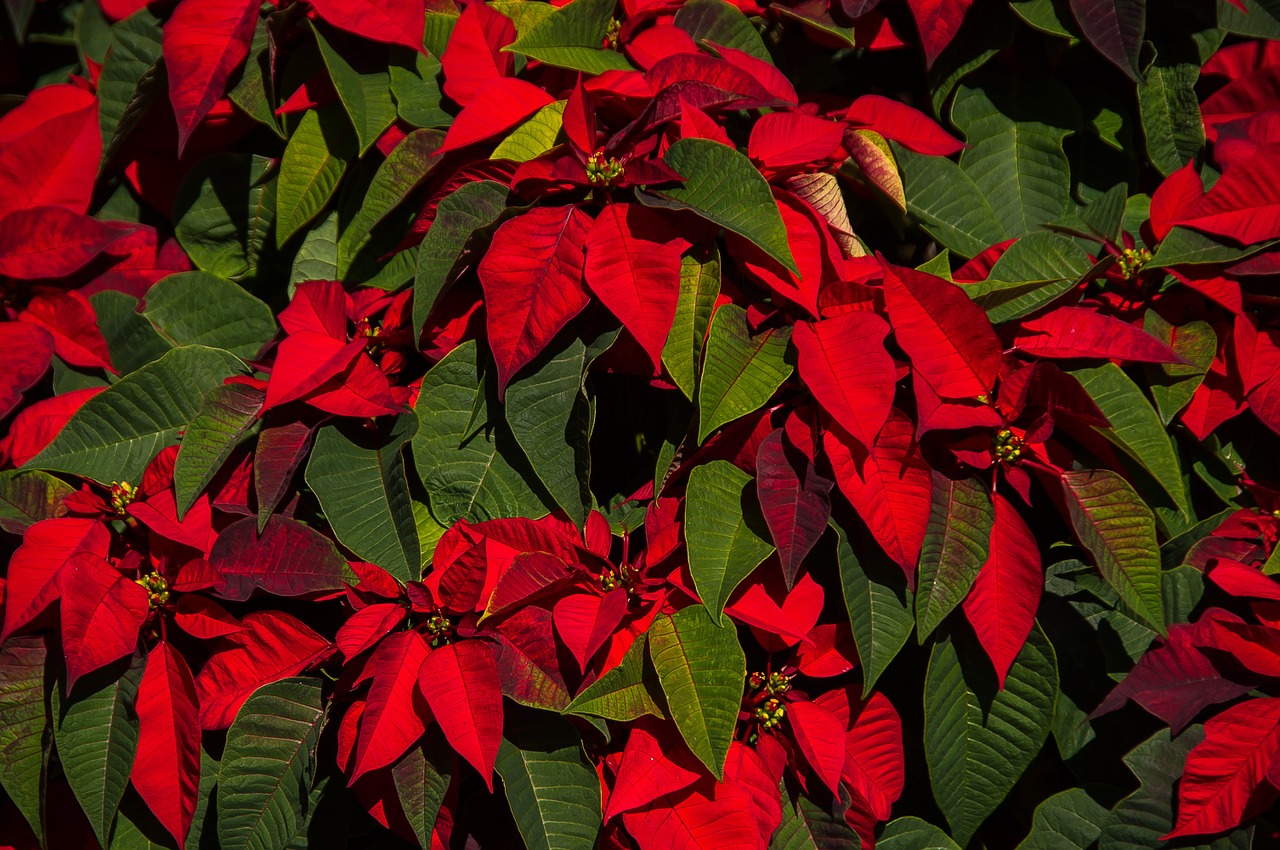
(417,91)
(624,693)
(223,211)
(722,514)
(914,834)
(314,161)
(198,308)
(254,91)
(740,372)
(228,415)
(553,790)
(422,778)
(22,727)
(28,496)
(1170,113)
(948,203)
(699,287)
(880,605)
(571,38)
(955,548)
(130,78)
(364,92)
(1173,384)
(721,23)
(131,339)
(1069,820)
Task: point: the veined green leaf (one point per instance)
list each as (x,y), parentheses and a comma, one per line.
(1173,384)
(1069,820)
(535,136)
(471,207)
(914,834)
(422,779)
(223,211)
(740,372)
(699,287)
(267,765)
(1183,247)
(29,496)
(416,90)
(363,489)
(948,203)
(117,432)
(364,92)
(317,257)
(572,37)
(553,791)
(733,539)
(131,339)
(198,308)
(978,739)
(624,693)
(721,23)
(22,726)
(1170,112)
(254,92)
(722,186)
(129,81)
(808,826)
(313,164)
(1117,528)
(228,416)
(701,667)
(880,607)
(955,548)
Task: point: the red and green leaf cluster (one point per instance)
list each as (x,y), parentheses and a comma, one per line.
(640,425)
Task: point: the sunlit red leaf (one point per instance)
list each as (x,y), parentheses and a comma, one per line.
(204,41)
(166,769)
(655,762)
(474,54)
(901,123)
(394,717)
(49,150)
(31,580)
(391,21)
(460,682)
(843,362)
(102,612)
(1080,332)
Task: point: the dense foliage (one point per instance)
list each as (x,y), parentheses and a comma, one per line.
(642,424)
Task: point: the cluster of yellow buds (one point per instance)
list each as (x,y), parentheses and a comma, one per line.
(156,587)
(438,624)
(602,170)
(122,495)
(623,576)
(1132,260)
(371,330)
(611,34)
(1008,446)
(775,684)
(770,715)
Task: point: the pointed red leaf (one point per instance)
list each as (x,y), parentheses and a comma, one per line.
(304,361)
(166,769)
(633,266)
(1080,332)
(831,651)
(368,626)
(474,53)
(70,320)
(273,646)
(203,618)
(890,486)
(529,576)
(102,613)
(1173,198)
(160,514)
(794,498)
(497,106)
(722,816)
(204,42)
(785,139)
(1222,771)
(875,763)
(25,354)
(390,21)
(1002,603)
(1115,29)
(532,279)
(1244,205)
(393,718)
(288,559)
(843,362)
(31,580)
(820,736)
(460,682)
(53,241)
(938,22)
(811,243)
(655,762)
(745,769)
(584,621)
(947,336)
(49,150)
(904,124)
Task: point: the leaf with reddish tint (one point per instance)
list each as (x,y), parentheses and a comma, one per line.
(938,22)
(721,816)
(460,682)
(390,21)
(393,719)
(70,320)
(102,613)
(794,498)
(875,764)
(1223,770)
(890,486)
(49,150)
(474,52)
(273,646)
(947,336)
(280,451)
(532,279)
(1002,604)
(159,513)
(782,140)
(166,769)
(203,618)
(633,267)
(367,626)
(497,106)
(204,42)
(843,362)
(819,734)
(1115,29)
(287,559)
(585,621)
(530,575)
(654,763)
(903,124)
(1069,332)
(1244,205)
(31,583)
(25,354)
(53,241)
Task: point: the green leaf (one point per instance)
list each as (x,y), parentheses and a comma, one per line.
(701,667)
(1040,256)
(471,207)
(422,778)
(268,764)
(130,78)
(314,161)
(198,308)
(362,487)
(978,739)
(1015,128)
(22,727)
(117,432)
(553,790)
(880,606)
(404,169)
(131,339)
(535,136)
(254,91)
(1138,821)
(416,90)
(224,209)
(550,416)
(1118,529)
(468,464)
(29,496)
(317,257)
(722,186)
(740,372)
(625,692)
(955,548)
(1183,247)
(365,92)
(699,287)
(948,203)
(523,14)
(808,826)
(571,38)
(1173,384)
(228,416)
(723,515)
(721,23)
(1136,429)
(1069,820)
(96,732)
(1170,112)
(914,834)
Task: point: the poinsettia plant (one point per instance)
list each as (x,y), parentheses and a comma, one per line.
(640,424)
